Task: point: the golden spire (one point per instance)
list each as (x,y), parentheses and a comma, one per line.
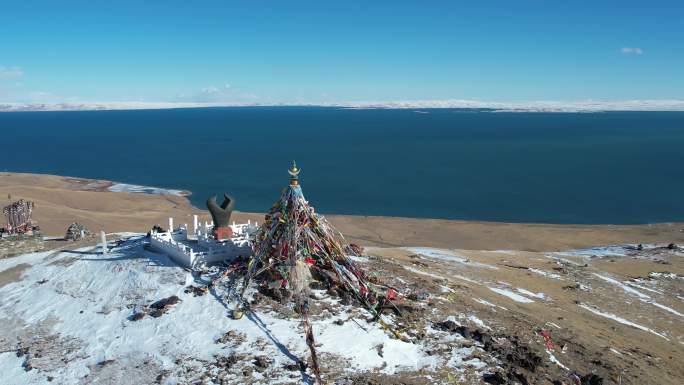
(294,172)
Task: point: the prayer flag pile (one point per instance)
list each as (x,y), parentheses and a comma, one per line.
(292,232)
(294,244)
(18,216)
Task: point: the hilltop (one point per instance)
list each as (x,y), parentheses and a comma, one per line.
(537,304)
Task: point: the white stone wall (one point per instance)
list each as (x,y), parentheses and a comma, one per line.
(178,243)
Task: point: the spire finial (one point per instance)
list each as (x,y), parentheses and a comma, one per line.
(294,172)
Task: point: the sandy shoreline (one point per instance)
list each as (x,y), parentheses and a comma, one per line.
(63,200)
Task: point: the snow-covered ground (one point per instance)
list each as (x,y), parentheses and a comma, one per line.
(81,317)
(70,316)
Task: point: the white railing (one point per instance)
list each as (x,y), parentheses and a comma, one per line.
(173,242)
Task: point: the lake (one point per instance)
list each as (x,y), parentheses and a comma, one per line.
(617,167)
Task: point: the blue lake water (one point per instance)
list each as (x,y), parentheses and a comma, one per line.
(618,167)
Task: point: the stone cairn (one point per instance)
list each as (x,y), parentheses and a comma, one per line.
(295,246)
(76,232)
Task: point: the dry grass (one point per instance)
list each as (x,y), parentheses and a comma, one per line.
(61,200)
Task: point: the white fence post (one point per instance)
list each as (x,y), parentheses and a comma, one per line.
(103,239)
(194,224)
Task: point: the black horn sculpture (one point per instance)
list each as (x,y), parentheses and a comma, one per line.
(221,214)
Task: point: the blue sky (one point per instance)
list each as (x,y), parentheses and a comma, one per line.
(317,51)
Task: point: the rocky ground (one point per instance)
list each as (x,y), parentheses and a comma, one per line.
(605,315)
(20,244)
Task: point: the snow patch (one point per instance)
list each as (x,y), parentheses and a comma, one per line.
(665,275)
(620,320)
(554,325)
(485,302)
(462,358)
(623,286)
(447,256)
(634,285)
(531,294)
(515,297)
(478,322)
(642,297)
(138,189)
(545,273)
(604,251)
(555,360)
(357,258)
(421,272)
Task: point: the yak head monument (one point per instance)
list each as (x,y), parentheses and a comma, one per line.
(221,216)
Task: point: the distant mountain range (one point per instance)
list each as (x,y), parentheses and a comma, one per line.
(530,106)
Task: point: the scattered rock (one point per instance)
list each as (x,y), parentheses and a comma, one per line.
(22,351)
(448,325)
(419,296)
(494,378)
(379,348)
(20,244)
(346,298)
(156,309)
(591,379)
(256,299)
(317,285)
(104,363)
(230,335)
(165,302)
(137,316)
(226,362)
(354,249)
(196,291)
(261,363)
(419,263)
(332,292)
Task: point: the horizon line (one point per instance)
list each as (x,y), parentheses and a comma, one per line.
(588,105)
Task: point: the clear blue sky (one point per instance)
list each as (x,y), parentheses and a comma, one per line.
(318,51)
